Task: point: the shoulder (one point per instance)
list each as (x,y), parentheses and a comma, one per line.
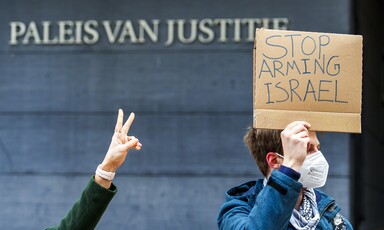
(331,211)
(244,190)
(239,201)
(323,199)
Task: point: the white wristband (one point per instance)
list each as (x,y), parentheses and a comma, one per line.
(104,174)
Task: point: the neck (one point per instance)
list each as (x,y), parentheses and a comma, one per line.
(299,200)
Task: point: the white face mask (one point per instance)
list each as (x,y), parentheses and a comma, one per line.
(314,171)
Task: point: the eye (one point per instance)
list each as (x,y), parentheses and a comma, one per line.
(313,149)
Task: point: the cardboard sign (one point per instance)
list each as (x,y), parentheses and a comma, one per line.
(313,77)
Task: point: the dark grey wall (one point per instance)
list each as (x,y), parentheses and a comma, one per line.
(368,178)
(192,103)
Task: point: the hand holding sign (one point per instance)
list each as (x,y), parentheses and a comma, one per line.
(295,140)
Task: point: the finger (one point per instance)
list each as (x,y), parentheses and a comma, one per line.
(303,142)
(128,124)
(307,140)
(138,146)
(138,143)
(302,134)
(119,122)
(130,144)
(295,123)
(128,138)
(298,128)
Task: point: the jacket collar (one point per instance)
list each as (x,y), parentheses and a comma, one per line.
(252,188)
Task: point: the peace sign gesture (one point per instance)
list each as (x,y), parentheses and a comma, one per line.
(121,143)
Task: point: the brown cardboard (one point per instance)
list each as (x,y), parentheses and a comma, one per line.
(315,77)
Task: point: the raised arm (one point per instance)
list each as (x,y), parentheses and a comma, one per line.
(87,211)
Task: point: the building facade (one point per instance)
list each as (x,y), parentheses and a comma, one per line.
(184,68)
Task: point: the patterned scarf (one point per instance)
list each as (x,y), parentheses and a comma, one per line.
(308,215)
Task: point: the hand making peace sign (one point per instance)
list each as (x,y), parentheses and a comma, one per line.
(121,143)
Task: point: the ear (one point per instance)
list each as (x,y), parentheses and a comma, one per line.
(274,162)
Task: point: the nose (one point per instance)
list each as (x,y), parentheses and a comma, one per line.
(312,149)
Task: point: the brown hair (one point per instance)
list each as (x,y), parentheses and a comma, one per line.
(262,141)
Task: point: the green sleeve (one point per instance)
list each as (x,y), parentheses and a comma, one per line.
(87,211)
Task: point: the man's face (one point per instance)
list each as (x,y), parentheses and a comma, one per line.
(314,144)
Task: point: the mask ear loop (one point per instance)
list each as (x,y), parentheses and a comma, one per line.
(279,155)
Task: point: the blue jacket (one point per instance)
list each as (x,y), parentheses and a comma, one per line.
(253,206)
